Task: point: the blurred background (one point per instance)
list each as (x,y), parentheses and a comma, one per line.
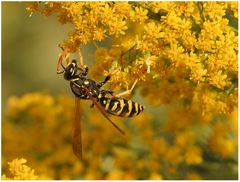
(30,52)
(37,119)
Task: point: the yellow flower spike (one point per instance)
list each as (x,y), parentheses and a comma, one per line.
(184,139)
(234,8)
(219,140)
(139,15)
(130,175)
(154,165)
(234,122)
(20,171)
(155,176)
(173,156)
(219,79)
(213,10)
(91,175)
(193,155)
(115,175)
(193,176)
(122,8)
(159,150)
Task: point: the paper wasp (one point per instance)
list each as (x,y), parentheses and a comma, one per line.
(105,100)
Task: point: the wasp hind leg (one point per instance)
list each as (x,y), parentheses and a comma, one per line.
(105,92)
(100,84)
(127,92)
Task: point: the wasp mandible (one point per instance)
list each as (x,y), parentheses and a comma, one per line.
(104,100)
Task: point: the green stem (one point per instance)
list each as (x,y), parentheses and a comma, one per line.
(200,8)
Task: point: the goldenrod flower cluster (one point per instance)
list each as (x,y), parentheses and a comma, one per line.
(192,44)
(184,55)
(19,171)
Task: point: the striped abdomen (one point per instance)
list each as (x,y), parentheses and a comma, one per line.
(121,107)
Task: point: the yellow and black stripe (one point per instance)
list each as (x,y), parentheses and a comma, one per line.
(121,107)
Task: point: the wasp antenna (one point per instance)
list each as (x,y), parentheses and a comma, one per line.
(60,46)
(63,66)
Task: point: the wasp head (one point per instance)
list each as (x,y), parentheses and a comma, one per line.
(71,70)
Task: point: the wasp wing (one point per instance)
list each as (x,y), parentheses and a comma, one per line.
(102,110)
(76,131)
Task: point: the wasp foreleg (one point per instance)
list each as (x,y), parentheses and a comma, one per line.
(64,56)
(84,69)
(127,92)
(82,65)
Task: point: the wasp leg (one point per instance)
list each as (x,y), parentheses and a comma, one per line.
(80,57)
(102,110)
(85,70)
(99,85)
(65,54)
(127,92)
(105,92)
(83,67)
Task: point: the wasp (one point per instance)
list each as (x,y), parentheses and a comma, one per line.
(104,100)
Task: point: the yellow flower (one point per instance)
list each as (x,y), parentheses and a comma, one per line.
(159,150)
(218,79)
(139,15)
(184,139)
(155,176)
(193,176)
(193,155)
(20,171)
(152,32)
(115,175)
(173,155)
(219,141)
(123,8)
(214,10)
(234,8)
(117,27)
